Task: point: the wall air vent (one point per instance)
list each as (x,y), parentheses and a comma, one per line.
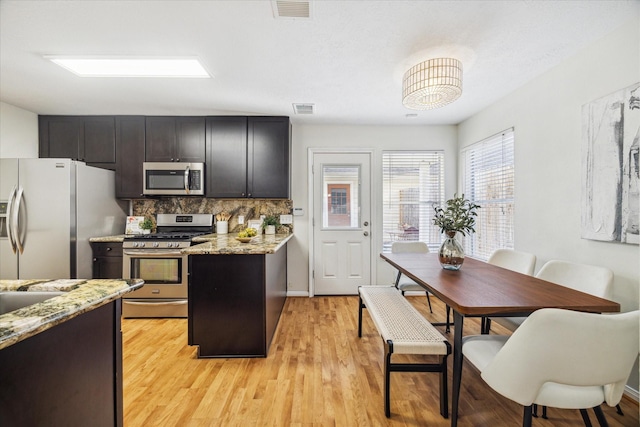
(291,8)
(303,108)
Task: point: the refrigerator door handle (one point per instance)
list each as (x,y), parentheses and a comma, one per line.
(187,171)
(10,234)
(16,220)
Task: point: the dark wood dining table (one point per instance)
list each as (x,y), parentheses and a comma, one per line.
(481,289)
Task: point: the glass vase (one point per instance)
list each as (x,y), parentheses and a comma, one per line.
(451,254)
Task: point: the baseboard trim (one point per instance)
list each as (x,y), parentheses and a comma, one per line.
(632,394)
(297,293)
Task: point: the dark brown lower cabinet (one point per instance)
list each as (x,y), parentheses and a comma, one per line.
(235,302)
(107,260)
(69,375)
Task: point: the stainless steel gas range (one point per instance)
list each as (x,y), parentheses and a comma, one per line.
(156,259)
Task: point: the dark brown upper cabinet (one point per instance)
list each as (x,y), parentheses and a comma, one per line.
(175,139)
(226,166)
(248,157)
(268,146)
(90,139)
(130,148)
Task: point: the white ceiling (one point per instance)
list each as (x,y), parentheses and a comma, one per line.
(348,58)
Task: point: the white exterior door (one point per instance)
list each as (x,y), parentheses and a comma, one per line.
(341,222)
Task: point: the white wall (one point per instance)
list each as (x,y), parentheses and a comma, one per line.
(376,138)
(546,115)
(18,132)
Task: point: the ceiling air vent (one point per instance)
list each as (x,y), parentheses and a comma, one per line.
(303,108)
(291,8)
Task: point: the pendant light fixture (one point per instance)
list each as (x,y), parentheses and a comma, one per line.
(432,84)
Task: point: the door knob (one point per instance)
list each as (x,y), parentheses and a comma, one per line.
(366,223)
(366,233)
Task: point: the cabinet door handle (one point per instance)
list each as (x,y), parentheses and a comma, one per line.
(108,249)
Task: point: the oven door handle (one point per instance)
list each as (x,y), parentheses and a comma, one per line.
(157,303)
(152,254)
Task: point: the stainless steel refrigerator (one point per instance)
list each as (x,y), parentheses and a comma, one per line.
(49,208)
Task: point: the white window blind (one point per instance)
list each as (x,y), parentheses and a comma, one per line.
(413,181)
(488,180)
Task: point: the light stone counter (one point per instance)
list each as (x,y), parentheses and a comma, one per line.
(81,295)
(108,239)
(227,244)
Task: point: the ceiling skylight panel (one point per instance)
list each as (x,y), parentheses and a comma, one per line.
(131,66)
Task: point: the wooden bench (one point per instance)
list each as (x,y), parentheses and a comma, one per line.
(404,331)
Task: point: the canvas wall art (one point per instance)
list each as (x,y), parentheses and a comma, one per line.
(610,194)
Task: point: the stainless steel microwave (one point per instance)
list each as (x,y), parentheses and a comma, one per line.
(173,179)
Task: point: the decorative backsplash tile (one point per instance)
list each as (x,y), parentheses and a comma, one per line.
(250,208)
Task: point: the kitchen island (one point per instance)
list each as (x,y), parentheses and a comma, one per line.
(61,359)
(236,293)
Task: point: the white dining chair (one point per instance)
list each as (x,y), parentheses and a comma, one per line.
(591,279)
(518,261)
(560,358)
(403,283)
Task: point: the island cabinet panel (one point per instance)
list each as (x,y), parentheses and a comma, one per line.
(90,139)
(130,138)
(235,302)
(175,139)
(69,375)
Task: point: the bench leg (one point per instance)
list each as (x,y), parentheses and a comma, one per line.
(388,348)
(444,393)
(389,367)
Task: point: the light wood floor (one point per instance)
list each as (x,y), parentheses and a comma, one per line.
(318,373)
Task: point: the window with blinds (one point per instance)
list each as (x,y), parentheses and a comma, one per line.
(413,181)
(488,180)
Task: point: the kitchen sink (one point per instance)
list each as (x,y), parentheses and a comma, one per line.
(14,300)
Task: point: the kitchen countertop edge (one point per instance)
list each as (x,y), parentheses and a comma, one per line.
(80,296)
(108,239)
(226,244)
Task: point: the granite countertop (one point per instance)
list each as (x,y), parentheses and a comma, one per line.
(81,295)
(226,244)
(108,239)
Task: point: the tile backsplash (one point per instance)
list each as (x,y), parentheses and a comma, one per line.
(250,208)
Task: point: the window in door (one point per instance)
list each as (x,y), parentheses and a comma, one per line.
(341,186)
(488,179)
(339,212)
(413,181)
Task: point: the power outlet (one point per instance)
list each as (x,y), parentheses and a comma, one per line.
(286,219)
(240,219)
